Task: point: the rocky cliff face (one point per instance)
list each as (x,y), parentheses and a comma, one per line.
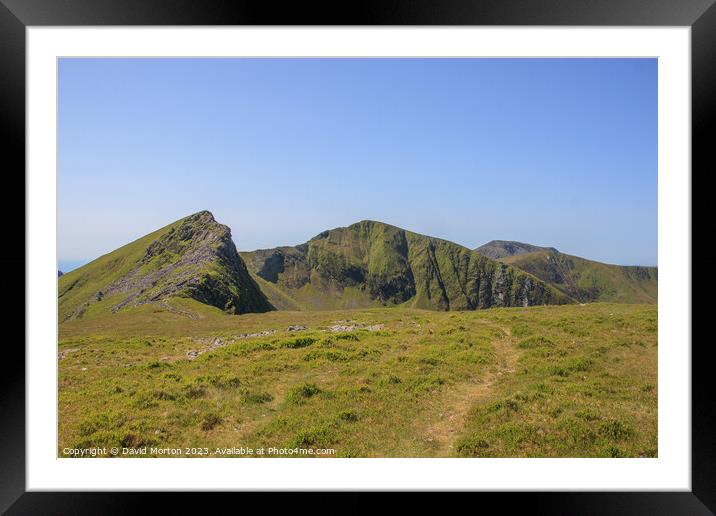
(194,257)
(371,263)
(498,249)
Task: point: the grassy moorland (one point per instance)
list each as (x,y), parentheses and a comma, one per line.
(548,381)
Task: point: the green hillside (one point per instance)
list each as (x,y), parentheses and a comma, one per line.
(375,264)
(586,280)
(191,258)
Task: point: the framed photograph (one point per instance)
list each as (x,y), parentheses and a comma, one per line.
(418,249)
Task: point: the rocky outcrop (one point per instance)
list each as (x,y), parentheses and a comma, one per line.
(498,249)
(192,258)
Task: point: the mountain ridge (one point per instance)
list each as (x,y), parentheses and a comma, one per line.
(372,263)
(582,279)
(193,257)
(366,264)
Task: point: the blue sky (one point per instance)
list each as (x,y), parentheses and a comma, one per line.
(556,152)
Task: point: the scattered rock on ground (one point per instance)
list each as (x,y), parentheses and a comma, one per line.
(217,342)
(296,327)
(264,333)
(62,354)
(356,326)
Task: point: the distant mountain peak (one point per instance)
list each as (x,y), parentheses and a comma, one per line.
(361,224)
(205,215)
(194,257)
(582,279)
(372,263)
(498,249)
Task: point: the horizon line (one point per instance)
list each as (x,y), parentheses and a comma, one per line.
(85,261)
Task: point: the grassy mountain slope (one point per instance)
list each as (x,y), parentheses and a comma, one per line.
(191,258)
(373,264)
(584,280)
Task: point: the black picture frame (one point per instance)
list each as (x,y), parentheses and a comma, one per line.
(16,15)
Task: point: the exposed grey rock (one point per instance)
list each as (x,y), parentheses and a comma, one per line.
(497,249)
(264,333)
(213,343)
(194,258)
(62,354)
(355,326)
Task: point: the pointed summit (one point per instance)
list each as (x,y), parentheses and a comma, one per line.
(194,257)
